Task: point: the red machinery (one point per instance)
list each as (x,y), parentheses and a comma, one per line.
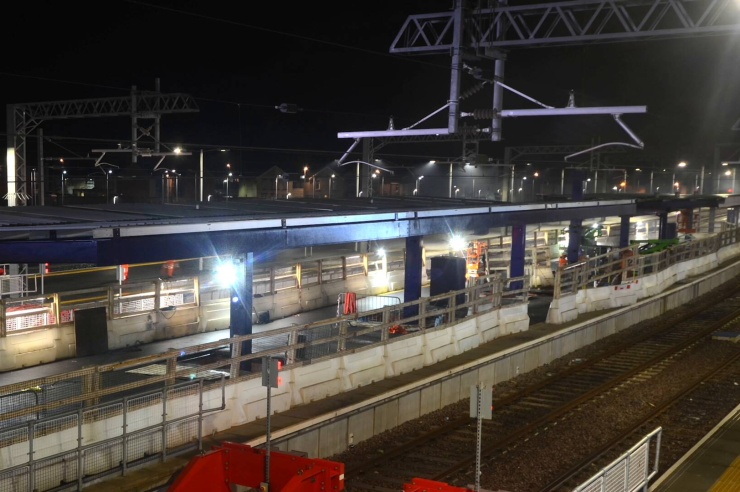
(424,485)
(240,464)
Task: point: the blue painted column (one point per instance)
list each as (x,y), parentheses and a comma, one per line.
(575,232)
(412,274)
(663,225)
(518,247)
(624,231)
(241,302)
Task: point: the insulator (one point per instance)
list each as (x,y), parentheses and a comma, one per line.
(484,114)
(472,90)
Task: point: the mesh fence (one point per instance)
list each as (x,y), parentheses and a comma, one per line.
(61,452)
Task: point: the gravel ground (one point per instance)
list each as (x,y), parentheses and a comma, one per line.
(534,463)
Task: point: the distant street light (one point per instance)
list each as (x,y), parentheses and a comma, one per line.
(675,184)
(331,178)
(416,190)
(228,178)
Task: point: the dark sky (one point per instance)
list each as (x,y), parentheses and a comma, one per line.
(239,60)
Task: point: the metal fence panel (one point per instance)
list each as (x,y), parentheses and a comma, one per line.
(102,458)
(182,401)
(102,423)
(143,411)
(143,445)
(639,467)
(615,478)
(56,471)
(55,435)
(16,447)
(631,471)
(182,435)
(15,480)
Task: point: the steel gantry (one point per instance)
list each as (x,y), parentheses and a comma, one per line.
(474,36)
(141,106)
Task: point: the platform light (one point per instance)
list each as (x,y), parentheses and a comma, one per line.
(457,243)
(226,273)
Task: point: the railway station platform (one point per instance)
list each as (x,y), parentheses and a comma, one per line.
(713,465)
(156,477)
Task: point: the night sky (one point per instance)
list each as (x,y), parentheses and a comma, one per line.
(239,61)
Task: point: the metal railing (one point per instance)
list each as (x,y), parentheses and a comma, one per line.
(125,413)
(295,344)
(67,450)
(628,264)
(631,471)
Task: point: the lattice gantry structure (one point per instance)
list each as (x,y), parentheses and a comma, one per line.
(145,108)
(478,36)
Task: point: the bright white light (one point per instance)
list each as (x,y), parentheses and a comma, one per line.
(226,273)
(381,252)
(457,243)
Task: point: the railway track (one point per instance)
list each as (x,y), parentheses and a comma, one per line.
(690,400)
(641,358)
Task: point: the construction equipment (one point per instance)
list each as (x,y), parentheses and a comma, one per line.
(477,259)
(232,464)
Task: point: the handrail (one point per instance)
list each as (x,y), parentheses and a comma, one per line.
(627,264)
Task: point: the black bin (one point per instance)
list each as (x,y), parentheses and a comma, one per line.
(448,274)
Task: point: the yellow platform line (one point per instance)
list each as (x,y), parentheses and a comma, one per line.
(730,479)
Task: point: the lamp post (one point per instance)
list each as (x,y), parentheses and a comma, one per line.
(375,166)
(64,172)
(728,173)
(276,186)
(199,184)
(110,171)
(228,178)
(416,190)
(331,181)
(521,187)
(675,184)
(450,186)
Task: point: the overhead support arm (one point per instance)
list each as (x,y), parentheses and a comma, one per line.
(639,144)
(513,113)
(351,147)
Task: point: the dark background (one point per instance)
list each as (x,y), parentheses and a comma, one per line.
(240,60)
